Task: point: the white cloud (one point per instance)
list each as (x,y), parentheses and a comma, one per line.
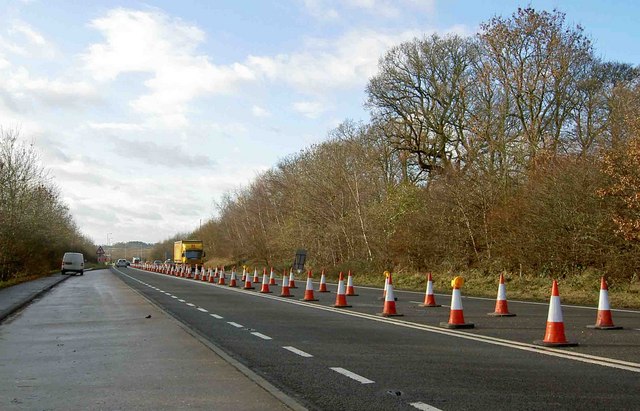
(332,10)
(320,10)
(310,109)
(348,61)
(116,126)
(165,48)
(260,112)
(25,41)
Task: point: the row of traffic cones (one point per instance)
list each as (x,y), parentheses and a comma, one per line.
(554,333)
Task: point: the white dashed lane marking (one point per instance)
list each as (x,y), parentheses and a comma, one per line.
(173,296)
(235,324)
(181,300)
(216,316)
(352,375)
(297,351)
(202,309)
(191,305)
(424,407)
(264,337)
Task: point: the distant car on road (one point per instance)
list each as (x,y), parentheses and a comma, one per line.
(168,261)
(122,263)
(157,262)
(73,262)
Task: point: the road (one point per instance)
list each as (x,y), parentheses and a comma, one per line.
(92,343)
(353,359)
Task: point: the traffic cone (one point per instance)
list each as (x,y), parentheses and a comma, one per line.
(244,275)
(221,276)
(350,290)
(429,298)
(554,334)
(389,309)
(272,278)
(456,315)
(247,282)
(196,273)
(213,274)
(308,292)
(292,280)
(285,286)
(189,274)
(501,302)
(232,280)
(604,320)
(386,285)
(341,299)
(265,283)
(323,284)
(256,279)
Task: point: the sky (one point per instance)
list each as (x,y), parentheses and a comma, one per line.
(146,113)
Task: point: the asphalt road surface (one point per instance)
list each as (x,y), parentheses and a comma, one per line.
(353,359)
(92,343)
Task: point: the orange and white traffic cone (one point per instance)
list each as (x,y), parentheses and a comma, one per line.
(308,292)
(285,286)
(272,278)
(244,275)
(389,309)
(196,273)
(247,282)
(292,280)
(213,274)
(456,314)
(341,299)
(265,283)
(501,310)
(604,320)
(323,284)
(429,298)
(256,279)
(232,280)
(350,290)
(554,333)
(221,277)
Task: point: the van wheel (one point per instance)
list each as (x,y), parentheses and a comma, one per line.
(81,272)
(63,272)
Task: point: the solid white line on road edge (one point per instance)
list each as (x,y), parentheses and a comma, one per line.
(235,324)
(191,305)
(181,300)
(216,316)
(202,309)
(352,375)
(297,351)
(424,407)
(259,335)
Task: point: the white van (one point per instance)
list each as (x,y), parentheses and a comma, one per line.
(73,262)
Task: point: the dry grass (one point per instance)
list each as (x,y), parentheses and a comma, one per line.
(581,289)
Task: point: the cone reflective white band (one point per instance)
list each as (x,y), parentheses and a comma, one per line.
(555,310)
(389,296)
(341,288)
(502,292)
(603,302)
(429,287)
(349,281)
(309,284)
(456,299)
